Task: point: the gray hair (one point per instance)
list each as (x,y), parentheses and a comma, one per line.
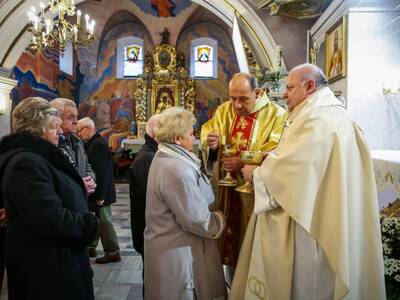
(61,103)
(32,115)
(311,72)
(172,123)
(86,121)
(252,80)
(151,124)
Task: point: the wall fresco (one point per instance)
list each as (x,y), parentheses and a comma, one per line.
(210,93)
(39,75)
(163,8)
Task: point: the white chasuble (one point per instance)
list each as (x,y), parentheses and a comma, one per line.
(317,235)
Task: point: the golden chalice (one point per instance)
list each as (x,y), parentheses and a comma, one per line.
(249,158)
(228,180)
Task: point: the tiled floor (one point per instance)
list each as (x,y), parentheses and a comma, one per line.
(121,280)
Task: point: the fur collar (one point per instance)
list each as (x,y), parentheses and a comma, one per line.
(29,143)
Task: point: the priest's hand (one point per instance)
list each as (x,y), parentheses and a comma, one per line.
(213,140)
(232,163)
(248,172)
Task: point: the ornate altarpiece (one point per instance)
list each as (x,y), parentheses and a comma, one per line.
(165,83)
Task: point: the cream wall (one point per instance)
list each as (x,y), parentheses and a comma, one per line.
(374,62)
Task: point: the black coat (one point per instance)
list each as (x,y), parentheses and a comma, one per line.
(100,159)
(138,173)
(48,224)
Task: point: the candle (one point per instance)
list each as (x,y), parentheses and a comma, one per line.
(78,17)
(35,23)
(48,26)
(87,21)
(92,27)
(41,4)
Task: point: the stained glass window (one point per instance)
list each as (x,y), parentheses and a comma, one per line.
(203,58)
(129,57)
(133,60)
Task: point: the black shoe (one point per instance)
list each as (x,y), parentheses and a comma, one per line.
(108,258)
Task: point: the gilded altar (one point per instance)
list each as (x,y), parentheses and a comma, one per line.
(165,83)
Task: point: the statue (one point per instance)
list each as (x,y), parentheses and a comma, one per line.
(313,52)
(165,36)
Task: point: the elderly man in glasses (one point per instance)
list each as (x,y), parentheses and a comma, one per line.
(99,157)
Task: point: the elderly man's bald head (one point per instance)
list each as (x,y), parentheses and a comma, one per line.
(151,124)
(243,92)
(311,72)
(303,81)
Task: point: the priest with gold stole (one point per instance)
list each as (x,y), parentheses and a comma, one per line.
(249,121)
(315,233)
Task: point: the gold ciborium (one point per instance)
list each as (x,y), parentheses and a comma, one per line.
(249,158)
(228,180)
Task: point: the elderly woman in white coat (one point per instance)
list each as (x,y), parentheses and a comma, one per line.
(180,252)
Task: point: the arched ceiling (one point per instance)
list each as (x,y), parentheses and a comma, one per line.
(15,38)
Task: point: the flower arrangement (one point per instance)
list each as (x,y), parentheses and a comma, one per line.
(271,78)
(390,228)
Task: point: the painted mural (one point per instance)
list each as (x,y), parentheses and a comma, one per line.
(102,83)
(211,93)
(39,75)
(163,8)
(109,101)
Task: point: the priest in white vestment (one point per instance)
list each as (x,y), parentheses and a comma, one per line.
(315,230)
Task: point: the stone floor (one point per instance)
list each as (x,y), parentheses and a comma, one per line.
(121,280)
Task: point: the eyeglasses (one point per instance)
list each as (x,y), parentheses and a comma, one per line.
(80,129)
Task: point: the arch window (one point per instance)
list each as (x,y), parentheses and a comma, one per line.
(204,58)
(130,57)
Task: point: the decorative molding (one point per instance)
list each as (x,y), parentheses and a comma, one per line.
(299,9)
(6,85)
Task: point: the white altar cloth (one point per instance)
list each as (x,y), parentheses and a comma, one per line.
(387,175)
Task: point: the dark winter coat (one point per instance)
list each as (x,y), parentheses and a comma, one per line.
(99,157)
(48,224)
(74,149)
(138,173)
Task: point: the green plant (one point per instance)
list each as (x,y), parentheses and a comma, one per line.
(271,78)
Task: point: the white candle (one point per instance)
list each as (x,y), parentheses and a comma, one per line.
(78,17)
(35,23)
(41,4)
(87,21)
(92,27)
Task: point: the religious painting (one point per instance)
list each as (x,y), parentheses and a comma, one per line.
(132,52)
(163,97)
(203,53)
(335,51)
